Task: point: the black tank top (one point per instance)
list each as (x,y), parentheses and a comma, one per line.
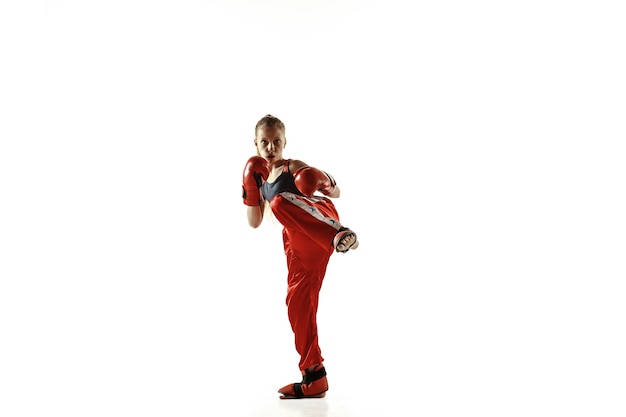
(284,183)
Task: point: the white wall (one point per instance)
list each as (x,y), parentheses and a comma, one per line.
(476,145)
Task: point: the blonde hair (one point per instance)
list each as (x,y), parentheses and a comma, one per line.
(269,121)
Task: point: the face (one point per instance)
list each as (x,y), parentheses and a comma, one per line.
(270,142)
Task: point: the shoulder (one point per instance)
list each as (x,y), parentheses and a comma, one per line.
(296,164)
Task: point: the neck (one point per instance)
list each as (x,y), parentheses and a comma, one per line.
(278,163)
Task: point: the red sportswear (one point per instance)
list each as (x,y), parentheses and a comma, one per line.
(309,226)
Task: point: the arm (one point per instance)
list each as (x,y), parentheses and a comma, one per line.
(255,215)
(335,193)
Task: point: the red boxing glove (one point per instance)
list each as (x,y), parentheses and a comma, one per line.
(255,173)
(309,180)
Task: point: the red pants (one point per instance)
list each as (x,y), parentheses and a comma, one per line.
(310,224)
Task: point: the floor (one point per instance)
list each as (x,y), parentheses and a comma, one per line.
(345,398)
(330,406)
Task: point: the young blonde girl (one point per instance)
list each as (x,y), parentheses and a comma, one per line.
(312,232)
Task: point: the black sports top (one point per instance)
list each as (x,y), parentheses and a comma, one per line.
(284,183)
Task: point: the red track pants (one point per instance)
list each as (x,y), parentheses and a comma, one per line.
(310,224)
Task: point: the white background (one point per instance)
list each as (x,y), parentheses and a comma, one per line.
(477,146)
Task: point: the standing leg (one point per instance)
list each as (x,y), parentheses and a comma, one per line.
(306,263)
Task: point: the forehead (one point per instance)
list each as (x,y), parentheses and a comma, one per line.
(270,133)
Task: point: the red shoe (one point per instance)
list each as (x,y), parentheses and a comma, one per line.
(314,385)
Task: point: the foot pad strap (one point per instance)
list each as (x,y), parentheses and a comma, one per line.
(309,377)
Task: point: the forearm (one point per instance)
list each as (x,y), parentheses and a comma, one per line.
(255,215)
(335,192)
